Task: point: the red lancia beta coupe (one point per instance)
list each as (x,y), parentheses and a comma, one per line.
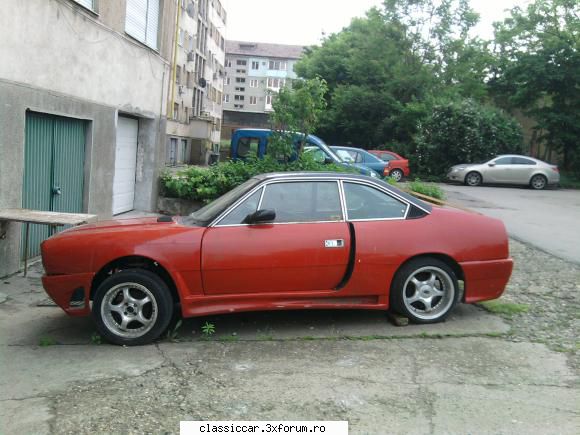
(278,242)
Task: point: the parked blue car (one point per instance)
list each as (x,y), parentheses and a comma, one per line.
(360,157)
(254,142)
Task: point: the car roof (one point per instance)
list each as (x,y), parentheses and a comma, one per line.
(345,175)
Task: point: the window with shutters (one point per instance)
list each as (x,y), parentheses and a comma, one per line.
(142,21)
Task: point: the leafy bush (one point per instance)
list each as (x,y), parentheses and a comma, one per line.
(207,184)
(464,132)
(428,189)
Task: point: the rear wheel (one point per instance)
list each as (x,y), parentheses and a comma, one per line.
(396,174)
(425,290)
(473,179)
(538,182)
(132,307)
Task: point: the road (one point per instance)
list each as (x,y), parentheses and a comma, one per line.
(547,219)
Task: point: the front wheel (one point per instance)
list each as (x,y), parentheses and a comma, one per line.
(132,307)
(396,174)
(473,179)
(425,290)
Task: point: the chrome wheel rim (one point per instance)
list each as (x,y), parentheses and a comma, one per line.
(538,182)
(129,310)
(397,175)
(428,293)
(473,179)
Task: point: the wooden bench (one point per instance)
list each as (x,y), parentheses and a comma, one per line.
(51,218)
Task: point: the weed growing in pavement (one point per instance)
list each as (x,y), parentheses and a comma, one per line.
(173,333)
(505,308)
(96,338)
(208,329)
(46,341)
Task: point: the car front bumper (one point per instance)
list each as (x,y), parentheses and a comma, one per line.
(70,292)
(485,280)
(456,176)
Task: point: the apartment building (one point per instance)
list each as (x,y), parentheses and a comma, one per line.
(254,73)
(83,92)
(196,85)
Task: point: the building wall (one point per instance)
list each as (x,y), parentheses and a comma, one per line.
(198,88)
(247,73)
(58,58)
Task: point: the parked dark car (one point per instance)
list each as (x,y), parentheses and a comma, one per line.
(249,141)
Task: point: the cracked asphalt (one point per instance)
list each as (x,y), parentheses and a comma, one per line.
(477,373)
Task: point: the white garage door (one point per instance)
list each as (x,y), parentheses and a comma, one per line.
(125,165)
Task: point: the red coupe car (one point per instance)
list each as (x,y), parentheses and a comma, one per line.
(278,242)
(398,166)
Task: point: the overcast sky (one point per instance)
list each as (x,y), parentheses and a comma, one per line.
(302,22)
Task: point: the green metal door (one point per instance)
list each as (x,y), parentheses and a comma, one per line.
(54,156)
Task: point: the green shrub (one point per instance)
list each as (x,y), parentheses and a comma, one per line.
(465,132)
(206,184)
(428,189)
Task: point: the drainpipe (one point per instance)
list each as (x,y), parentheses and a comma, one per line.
(174,66)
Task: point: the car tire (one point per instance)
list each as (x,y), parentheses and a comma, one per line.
(425,290)
(397,174)
(538,182)
(473,179)
(132,307)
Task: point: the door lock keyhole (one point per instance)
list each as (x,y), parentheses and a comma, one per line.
(56,190)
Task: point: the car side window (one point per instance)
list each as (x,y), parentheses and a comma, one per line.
(387,157)
(303,201)
(503,161)
(345,156)
(522,161)
(248,146)
(358,157)
(365,202)
(237,215)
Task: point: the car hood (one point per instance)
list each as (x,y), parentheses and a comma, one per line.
(117,224)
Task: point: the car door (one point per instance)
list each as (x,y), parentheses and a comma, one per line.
(523,170)
(498,170)
(306,247)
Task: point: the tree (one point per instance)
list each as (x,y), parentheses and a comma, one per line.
(297,110)
(386,70)
(538,70)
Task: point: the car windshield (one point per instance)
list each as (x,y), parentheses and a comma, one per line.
(204,216)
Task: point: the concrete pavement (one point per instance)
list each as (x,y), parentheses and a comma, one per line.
(548,219)
(461,376)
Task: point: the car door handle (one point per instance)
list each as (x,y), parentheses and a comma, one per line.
(334,243)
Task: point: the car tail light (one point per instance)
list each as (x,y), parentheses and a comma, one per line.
(386,171)
(555,169)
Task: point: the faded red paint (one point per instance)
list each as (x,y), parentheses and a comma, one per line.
(280,267)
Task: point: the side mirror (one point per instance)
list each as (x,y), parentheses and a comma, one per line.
(491,165)
(260,216)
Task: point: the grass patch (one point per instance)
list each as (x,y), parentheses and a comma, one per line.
(428,189)
(506,308)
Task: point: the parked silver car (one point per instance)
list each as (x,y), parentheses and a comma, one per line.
(507,169)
